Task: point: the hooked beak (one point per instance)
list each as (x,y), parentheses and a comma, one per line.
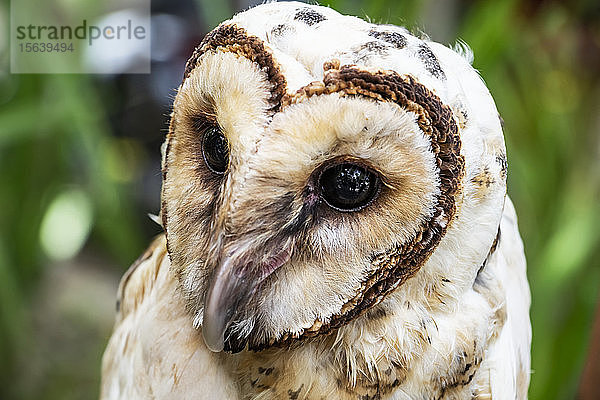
(231,287)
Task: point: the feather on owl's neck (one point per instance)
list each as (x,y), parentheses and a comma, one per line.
(399,345)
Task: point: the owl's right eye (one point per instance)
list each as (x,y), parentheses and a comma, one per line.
(215,150)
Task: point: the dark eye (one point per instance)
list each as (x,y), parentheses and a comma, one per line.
(215,150)
(348,187)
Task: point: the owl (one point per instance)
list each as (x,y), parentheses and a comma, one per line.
(336,225)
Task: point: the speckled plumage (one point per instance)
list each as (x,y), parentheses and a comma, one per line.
(420,295)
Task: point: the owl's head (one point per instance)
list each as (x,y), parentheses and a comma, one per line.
(317,164)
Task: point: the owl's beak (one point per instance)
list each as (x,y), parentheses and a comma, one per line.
(224,295)
(232,285)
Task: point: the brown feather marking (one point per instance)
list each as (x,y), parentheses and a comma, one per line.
(232,38)
(457,380)
(483,181)
(478,277)
(293,394)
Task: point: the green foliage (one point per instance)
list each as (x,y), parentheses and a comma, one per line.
(53,139)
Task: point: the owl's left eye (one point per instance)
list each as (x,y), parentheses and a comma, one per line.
(215,150)
(348,186)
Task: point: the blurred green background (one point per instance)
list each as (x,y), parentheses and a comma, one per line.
(80,169)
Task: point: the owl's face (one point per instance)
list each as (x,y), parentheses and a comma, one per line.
(304,182)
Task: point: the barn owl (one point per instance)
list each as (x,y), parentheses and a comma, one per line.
(336,225)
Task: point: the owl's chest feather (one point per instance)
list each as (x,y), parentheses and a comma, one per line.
(385,354)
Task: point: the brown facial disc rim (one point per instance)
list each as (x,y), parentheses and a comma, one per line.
(394,267)
(231,38)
